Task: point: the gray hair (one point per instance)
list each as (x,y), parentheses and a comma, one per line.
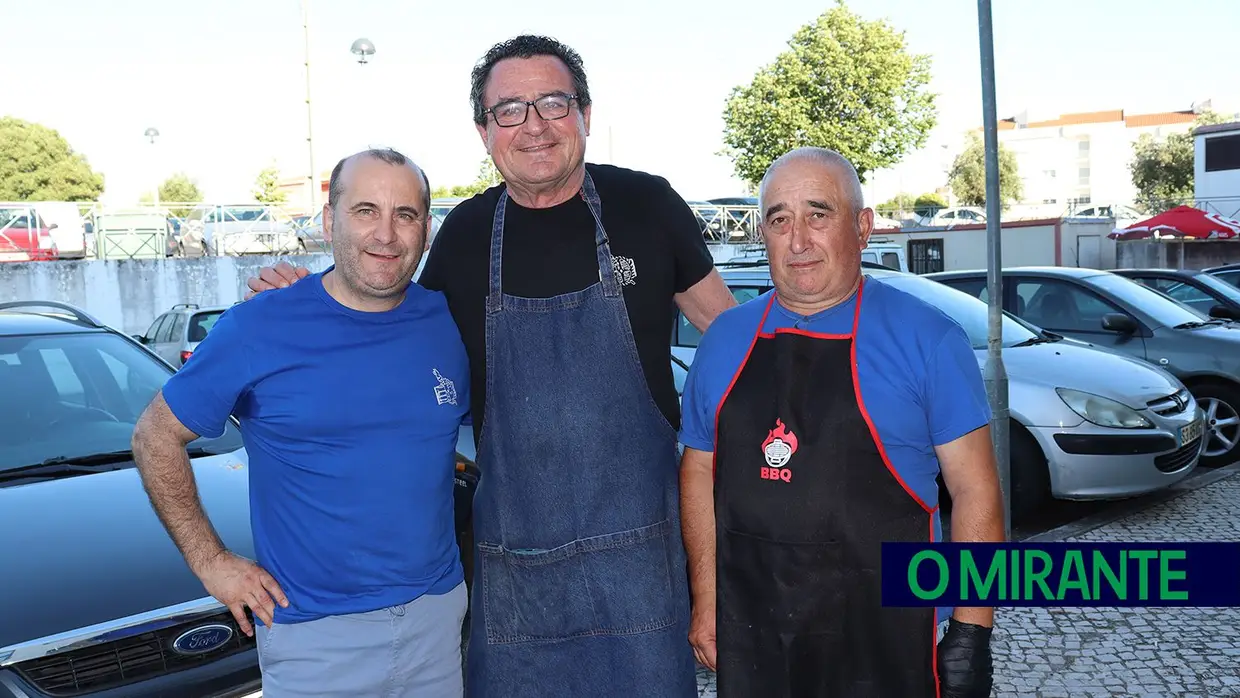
(821,156)
(335,188)
(526,46)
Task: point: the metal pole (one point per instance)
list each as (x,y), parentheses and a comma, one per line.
(995,373)
(314,176)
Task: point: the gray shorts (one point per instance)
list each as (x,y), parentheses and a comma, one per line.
(409,650)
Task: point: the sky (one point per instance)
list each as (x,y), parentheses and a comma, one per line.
(223,81)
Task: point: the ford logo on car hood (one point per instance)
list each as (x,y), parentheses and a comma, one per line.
(202,639)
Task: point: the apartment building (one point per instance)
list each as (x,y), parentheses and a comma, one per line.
(1069,160)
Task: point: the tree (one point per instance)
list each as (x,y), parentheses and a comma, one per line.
(1162,170)
(968,175)
(929,204)
(177,189)
(898,203)
(488,177)
(267,187)
(38,165)
(843,83)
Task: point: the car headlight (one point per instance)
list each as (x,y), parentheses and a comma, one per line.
(1102,411)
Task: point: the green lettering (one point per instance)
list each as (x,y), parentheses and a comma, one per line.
(1102,568)
(1143,579)
(1073,564)
(969,574)
(1164,558)
(944,576)
(1038,577)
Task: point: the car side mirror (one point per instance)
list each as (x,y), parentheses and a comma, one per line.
(1222,312)
(53,226)
(1119,322)
(139,338)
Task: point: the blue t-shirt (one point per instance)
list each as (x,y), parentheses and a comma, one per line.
(919,376)
(350,420)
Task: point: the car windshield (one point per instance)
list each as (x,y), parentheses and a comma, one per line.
(970,313)
(1165,311)
(73,396)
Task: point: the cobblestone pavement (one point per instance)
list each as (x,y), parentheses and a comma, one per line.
(1087,652)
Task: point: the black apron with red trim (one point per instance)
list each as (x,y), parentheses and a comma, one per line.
(804,496)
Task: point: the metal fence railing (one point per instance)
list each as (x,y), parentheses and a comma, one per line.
(189,229)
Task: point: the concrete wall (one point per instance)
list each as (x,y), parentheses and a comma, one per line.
(1192,254)
(130,294)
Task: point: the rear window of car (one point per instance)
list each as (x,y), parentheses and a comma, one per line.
(201,323)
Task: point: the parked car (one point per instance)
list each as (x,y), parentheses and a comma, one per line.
(1085,424)
(1230,273)
(1121,315)
(239,230)
(66,225)
(878,254)
(1199,290)
(25,236)
(175,334)
(95,600)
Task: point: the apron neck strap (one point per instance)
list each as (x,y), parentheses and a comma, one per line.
(607,273)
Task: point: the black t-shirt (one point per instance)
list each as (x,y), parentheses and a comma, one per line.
(549,252)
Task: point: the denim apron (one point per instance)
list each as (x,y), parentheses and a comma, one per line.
(580,585)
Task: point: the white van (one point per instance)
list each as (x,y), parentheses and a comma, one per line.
(69,232)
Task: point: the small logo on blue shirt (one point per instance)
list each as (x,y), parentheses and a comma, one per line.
(445,392)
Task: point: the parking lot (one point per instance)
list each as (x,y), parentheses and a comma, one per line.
(1070,652)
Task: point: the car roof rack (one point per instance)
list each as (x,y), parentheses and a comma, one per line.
(78,314)
(185,305)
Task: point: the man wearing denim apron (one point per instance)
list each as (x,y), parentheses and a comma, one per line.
(563,282)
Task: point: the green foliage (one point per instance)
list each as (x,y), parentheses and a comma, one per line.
(968,175)
(843,83)
(899,202)
(177,189)
(488,176)
(37,164)
(1162,170)
(267,187)
(929,204)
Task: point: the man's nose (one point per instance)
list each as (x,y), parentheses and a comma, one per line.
(799,241)
(385,231)
(534,124)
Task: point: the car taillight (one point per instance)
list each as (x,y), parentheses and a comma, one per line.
(185,356)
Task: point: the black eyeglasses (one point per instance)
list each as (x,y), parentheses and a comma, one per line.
(549,107)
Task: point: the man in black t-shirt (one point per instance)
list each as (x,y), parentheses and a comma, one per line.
(563,282)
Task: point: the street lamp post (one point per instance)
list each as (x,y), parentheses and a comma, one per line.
(152,133)
(314,178)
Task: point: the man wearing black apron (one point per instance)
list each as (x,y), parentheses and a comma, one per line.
(816,418)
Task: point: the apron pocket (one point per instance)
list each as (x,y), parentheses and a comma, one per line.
(614,584)
(791,587)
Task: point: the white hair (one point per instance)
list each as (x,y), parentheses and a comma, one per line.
(822,156)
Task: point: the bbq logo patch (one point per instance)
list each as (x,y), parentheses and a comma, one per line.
(445,392)
(778,448)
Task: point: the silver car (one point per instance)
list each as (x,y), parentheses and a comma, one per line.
(1086,423)
(175,334)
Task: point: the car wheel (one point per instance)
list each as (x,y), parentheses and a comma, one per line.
(1030,475)
(1221,405)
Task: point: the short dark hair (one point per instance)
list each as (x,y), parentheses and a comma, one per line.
(526,46)
(335,187)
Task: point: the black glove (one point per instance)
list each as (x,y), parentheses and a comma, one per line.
(964,661)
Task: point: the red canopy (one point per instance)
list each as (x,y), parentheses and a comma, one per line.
(1181,221)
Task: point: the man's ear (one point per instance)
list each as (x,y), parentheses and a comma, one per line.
(327,222)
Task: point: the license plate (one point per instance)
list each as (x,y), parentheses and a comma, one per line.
(1191,432)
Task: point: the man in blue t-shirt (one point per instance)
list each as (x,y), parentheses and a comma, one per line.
(350,389)
(816,420)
